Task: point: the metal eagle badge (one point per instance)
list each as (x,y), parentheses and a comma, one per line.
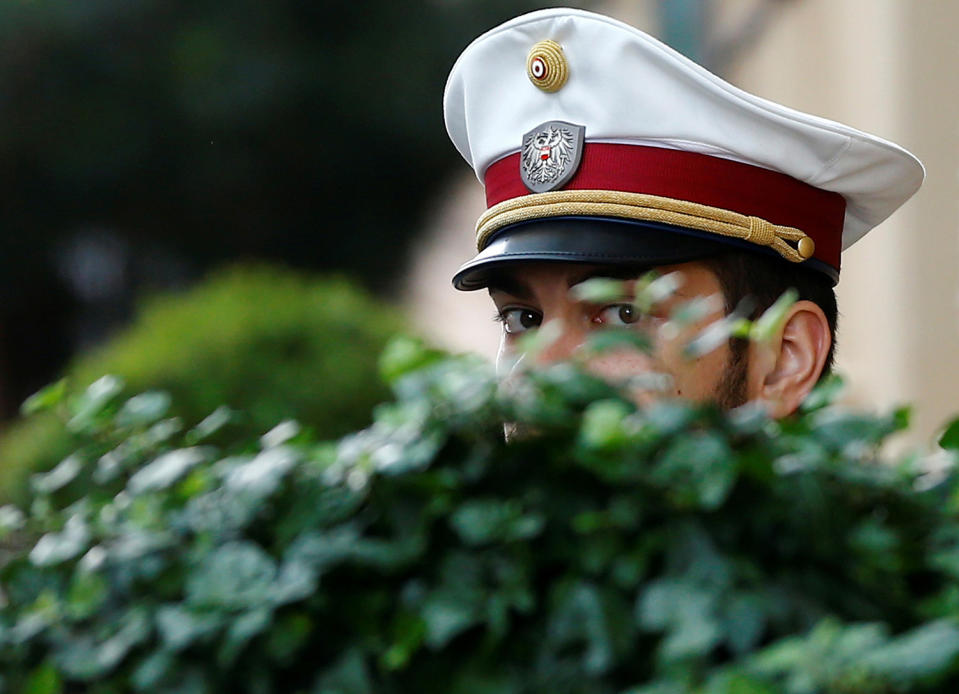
(551,154)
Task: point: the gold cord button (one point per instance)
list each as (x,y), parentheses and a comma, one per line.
(546,66)
(806,248)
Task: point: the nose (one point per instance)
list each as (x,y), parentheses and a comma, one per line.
(569,337)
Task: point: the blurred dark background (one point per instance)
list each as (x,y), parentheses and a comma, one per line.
(144,142)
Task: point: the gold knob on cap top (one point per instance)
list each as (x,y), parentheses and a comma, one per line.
(806,247)
(546,66)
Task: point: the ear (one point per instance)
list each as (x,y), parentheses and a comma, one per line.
(783,370)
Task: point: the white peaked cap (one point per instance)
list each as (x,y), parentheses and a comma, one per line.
(627,88)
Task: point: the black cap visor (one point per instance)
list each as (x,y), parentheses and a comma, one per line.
(592,240)
(619,243)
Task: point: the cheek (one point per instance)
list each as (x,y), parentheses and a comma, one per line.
(696,379)
(617,367)
(620,365)
(692,378)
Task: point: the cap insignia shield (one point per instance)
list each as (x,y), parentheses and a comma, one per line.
(551,154)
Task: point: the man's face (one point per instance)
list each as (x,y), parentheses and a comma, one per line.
(534,294)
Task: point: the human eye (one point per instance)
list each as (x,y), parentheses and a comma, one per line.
(618,315)
(518,320)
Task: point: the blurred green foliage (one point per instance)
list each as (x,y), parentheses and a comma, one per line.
(272,343)
(671,549)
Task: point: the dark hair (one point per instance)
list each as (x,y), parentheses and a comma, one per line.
(762,280)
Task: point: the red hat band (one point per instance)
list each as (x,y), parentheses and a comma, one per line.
(683,188)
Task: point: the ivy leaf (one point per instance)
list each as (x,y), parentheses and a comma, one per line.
(179,626)
(773,318)
(918,655)
(281,433)
(323,549)
(600,341)
(166,470)
(483,521)
(688,312)
(90,404)
(210,425)
(143,409)
(534,342)
(45,399)
(711,338)
(825,393)
(652,290)
(59,477)
(686,612)
(950,437)
(235,576)
(604,426)
(446,614)
(261,476)
(11,519)
(296,580)
(58,547)
(152,670)
(87,657)
(598,290)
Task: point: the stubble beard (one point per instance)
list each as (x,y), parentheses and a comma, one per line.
(731,389)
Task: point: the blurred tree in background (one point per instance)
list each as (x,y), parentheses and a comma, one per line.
(143,142)
(272,343)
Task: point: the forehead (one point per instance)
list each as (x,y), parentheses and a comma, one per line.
(522,279)
(514,276)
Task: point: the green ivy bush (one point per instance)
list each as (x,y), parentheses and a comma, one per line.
(268,342)
(665,550)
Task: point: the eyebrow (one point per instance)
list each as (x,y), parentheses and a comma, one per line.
(511,284)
